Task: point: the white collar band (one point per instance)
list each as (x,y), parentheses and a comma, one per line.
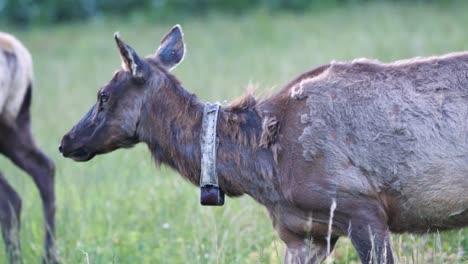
(210,192)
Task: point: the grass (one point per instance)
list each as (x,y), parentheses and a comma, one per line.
(118,208)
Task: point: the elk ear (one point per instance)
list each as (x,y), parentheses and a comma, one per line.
(130,60)
(172,48)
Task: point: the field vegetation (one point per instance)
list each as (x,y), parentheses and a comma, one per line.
(119,208)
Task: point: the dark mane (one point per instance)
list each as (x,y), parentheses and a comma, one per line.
(248,101)
(241,122)
(246,124)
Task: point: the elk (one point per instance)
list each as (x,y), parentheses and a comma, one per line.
(358,149)
(17,144)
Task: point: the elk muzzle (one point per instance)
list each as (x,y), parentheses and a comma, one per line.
(72,149)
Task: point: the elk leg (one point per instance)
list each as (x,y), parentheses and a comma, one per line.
(371,239)
(301,250)
(25,155)
(17,143)
(301,253)
(10,209)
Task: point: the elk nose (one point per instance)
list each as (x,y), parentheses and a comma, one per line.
(60,148)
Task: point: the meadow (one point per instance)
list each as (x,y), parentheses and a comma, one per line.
(120,208)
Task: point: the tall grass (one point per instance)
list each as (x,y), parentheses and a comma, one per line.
(119,208)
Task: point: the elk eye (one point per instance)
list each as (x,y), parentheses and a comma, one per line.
(103,97)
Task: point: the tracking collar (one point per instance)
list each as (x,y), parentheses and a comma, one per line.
(210,192)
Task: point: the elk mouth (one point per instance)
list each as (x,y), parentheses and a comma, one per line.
(80,154)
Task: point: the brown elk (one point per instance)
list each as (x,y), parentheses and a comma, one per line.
(16,143)
(357,149)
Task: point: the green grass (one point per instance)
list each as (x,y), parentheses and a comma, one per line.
(119,208)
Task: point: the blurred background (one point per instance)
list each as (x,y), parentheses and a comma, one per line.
(120,208)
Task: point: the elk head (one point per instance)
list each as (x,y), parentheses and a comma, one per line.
(113,121)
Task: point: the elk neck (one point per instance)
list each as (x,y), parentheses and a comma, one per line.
(171,127)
